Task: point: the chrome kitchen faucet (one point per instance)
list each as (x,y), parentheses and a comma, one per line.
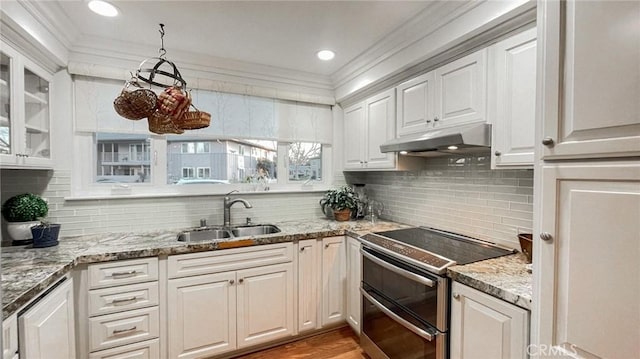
(228,202)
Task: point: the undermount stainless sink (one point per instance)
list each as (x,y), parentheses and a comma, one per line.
(204,234)
(213,233)
(254,230)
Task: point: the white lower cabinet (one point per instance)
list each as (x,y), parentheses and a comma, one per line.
(483,326)
(47,329)
(333,285)
(308,280)
(354,277)
(202,315)
(264,304)
(10,338)
(215,313)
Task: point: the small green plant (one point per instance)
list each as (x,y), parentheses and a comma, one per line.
(25,207)
(341,198)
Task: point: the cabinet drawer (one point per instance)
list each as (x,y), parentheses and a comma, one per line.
(112,330)
(122,298)
(110,274)
(145,350)
(229,259)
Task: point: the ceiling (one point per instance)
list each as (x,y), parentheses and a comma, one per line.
(284,34)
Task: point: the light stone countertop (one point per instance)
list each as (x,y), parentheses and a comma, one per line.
(505,277)
(27,271)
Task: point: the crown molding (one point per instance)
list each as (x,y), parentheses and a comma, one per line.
(464,30)
(50,15)
(436,15)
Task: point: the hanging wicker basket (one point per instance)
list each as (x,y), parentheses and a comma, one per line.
(137,104)
(194,120)
(161,123)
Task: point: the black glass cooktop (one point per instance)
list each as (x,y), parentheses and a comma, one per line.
(457,248)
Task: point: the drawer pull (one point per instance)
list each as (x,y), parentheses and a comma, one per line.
(123,331)
(118,302)
(120,275)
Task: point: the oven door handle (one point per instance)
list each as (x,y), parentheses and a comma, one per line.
(405,273)
(422,333)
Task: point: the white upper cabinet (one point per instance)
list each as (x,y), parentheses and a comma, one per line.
(461,91)
(25,139)
(416,105)
(368,125)
(354,139)
(451,95)
(590,99)
(512,100)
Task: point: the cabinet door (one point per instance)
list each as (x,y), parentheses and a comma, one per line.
(415,112)
(486,327)
(36,91)
(333,280)
(47,329)
(381,122)
(461,89)
(512,99)
(265,304)
(9,64)
(588,267)
(308,281)
(202,315)
(10,337)
(354,136)
(354,277)
(589,102)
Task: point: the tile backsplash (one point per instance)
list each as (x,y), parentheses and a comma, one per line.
(457,194)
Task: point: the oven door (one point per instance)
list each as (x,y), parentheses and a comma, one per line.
(389,332)
(416,291)
(404,309)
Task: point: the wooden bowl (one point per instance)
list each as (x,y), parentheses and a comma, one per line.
(526,244)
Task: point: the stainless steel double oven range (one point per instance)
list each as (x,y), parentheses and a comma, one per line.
(405,291)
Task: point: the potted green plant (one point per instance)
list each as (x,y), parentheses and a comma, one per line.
(21,213)
(341,200)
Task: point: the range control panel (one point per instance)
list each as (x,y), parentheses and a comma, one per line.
(433,262)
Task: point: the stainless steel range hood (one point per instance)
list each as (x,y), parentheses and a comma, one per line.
(460,139)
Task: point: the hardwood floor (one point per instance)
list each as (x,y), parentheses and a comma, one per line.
(338,344)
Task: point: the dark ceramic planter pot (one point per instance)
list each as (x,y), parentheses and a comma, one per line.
(45,236)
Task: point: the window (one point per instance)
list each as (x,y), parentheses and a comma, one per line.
(122,158)
(204,172)
(253,140)
(202,147)
(225,161)
(305,161)
(187,172)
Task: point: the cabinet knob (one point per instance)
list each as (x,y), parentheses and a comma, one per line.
(547,141)
(326,246)
(428,121)
(241,280)
(302,249)
(231,281)
(436,119)
(546,236)
(456,296)
(498,153)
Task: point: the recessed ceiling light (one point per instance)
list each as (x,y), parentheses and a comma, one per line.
(326,55)
(103,8)
(452,147)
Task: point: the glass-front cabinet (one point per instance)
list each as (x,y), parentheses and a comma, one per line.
(25,138)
